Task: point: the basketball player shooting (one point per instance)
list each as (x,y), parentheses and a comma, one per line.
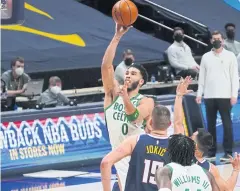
(126,111)
(181,174)
(147,151)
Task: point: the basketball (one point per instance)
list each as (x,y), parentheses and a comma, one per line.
(125,12)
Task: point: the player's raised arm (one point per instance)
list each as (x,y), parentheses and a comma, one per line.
(124,149)
(182,89)
(230,184)
(213,182)
(107,69)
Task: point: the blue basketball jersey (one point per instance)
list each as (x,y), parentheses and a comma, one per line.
(204,164)
(149,153)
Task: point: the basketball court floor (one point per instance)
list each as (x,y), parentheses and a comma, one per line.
(84,179)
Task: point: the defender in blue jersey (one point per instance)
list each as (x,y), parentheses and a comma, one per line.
(148,151)
(149,154)
(203,140)
(182,174)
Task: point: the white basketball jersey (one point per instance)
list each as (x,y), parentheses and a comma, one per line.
(119,128)
(189,178)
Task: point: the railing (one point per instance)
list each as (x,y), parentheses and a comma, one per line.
(168,10)
(166,27)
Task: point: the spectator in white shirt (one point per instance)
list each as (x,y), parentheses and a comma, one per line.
(180,56)
(218,81)
(230,43)
(238,59)
(121,69)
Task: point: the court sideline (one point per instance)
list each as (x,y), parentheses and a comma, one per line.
(73,180)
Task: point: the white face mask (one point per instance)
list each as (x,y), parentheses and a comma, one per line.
(19,71)
(56,89)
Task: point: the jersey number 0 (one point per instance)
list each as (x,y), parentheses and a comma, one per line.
(124,128)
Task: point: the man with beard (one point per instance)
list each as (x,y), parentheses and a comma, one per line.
(230,43)
(121,69)
(148,150)
(126,111)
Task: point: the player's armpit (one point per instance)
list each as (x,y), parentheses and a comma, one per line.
(163,178)
(110,96)
(213,182)
(123,150)
(222,184)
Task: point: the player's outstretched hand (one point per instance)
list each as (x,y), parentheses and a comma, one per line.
(121,30)
(182,87)
(235,161)
(123,90)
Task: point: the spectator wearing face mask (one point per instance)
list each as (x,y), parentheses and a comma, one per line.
(219,84)
(230,43)
(16,80)
(53,95)
(180,56)
(120,70)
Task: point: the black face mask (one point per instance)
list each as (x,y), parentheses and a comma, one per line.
(178,37)
(230,34)
(217,44)
(128,61)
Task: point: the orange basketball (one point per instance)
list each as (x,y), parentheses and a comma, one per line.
(125,12)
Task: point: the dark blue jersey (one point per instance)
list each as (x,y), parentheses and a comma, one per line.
(204,164)
(149,153)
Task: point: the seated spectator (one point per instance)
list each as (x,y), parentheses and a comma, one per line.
(180,56)
(3,90)
(230,43)
(120,70)
(16,82)
(53,95)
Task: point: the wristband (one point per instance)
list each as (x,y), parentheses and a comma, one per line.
(133,116)
(179,94)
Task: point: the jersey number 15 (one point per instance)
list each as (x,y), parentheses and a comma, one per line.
(149,176)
